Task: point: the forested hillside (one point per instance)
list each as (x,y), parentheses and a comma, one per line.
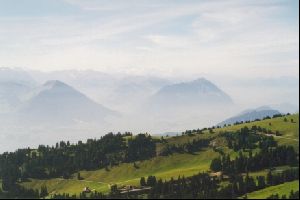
(245,159)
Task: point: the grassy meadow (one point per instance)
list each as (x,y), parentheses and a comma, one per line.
(167,167)
(282,189)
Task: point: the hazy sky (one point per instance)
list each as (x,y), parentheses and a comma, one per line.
(166,37)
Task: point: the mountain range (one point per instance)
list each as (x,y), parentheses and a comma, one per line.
(81,102)
(14,84)
(250,115)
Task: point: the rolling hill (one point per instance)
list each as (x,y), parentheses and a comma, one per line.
(172,166)
(289,129)
(282,189)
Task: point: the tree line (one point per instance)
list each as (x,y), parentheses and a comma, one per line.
(246,138)
(200,186)
(190,147)
(266,158)
(20,192)
(292,195)
(205,186)
(64,158)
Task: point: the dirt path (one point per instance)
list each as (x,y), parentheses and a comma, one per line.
(87,181)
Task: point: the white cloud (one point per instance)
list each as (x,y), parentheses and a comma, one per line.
(163,37)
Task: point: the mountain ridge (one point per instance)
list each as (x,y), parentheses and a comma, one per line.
(250,115)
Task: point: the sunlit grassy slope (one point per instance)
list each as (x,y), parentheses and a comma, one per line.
(289,130)
(264,172)
(283,189)
(65,186)
(162,167)
(125,174)
(165,167)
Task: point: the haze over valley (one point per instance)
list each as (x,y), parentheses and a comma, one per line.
(43,107)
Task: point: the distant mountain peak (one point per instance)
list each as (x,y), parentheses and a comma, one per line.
(201,80)
(55,83)
(251,114)
(263,108)
(57,102)
(198,92)
(205,85)
(54,86)
(197,84)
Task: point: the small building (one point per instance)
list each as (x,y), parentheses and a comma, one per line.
(219,175)
(86,190)
(216,174)
(129,189)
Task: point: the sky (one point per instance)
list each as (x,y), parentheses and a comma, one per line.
(249,38)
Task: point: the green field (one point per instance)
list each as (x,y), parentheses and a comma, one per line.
(174,165)
(289,130)
(274,170)
(283,189)
(65,186)
(128,174)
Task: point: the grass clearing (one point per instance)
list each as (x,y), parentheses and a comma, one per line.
(65,185)
(126,174)
(282,189)
(289,130)
(162,167)
(265,171)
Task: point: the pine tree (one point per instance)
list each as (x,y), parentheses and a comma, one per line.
(143,181)
(44,191)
